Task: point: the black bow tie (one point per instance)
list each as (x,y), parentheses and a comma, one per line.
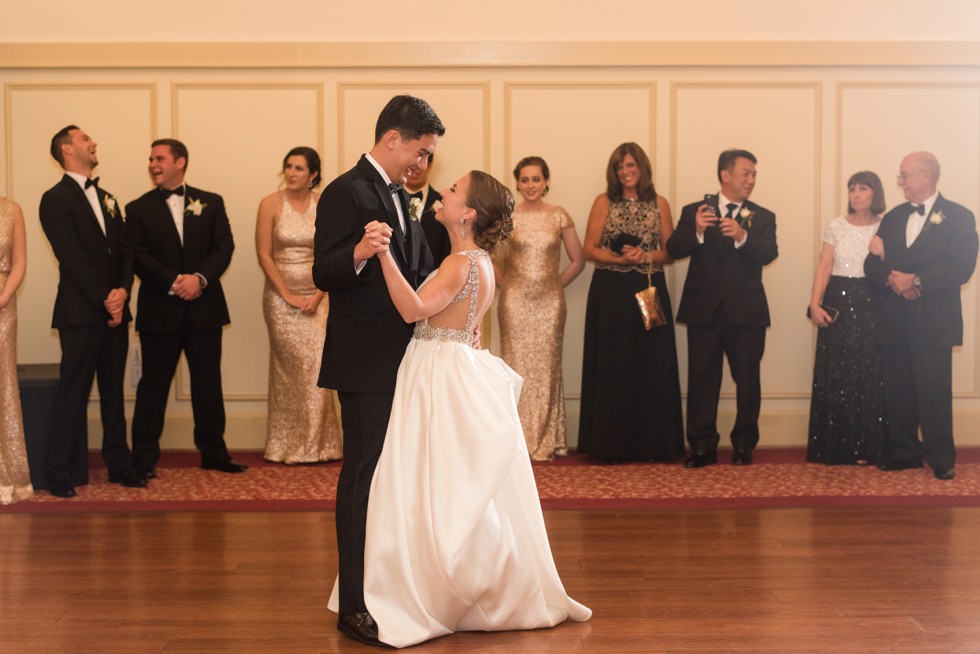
(394,188)
(166,193)
(417,194)
(919,209)
(92,182)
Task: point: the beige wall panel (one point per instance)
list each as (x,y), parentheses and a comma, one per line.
(120,118)
(780,124)
(550,120)
(463,109)
(237,137)
(880,124)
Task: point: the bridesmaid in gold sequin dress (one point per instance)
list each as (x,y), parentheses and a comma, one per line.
(303,425)
(15,477)
(532,307)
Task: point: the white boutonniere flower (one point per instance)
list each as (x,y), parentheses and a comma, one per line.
(415,209)
(436,206)
(109,204)
(745,217)
(195,207)
(937,217)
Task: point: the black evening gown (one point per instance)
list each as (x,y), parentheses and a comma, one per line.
(631,392)
(847,407)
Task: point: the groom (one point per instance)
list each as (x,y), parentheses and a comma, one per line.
(366,338)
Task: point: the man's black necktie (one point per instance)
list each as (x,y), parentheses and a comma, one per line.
(731,206)
(919,209)
(166,193)
(92,182)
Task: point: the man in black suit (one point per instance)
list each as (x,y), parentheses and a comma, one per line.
(91,312)
(925,250)
(729,240)
(366,337)
(182,244)
(436,237)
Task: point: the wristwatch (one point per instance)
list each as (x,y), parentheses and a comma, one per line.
(917,282)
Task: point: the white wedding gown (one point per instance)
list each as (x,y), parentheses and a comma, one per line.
(455,536)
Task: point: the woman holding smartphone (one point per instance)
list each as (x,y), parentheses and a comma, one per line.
(847,410)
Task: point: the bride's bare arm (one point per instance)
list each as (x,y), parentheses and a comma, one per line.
(434,297)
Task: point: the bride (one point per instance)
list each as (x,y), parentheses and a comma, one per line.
(455,537)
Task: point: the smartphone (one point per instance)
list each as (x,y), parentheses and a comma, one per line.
(711,200)
(833,312)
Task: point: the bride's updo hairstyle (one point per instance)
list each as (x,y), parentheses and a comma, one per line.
(493,203)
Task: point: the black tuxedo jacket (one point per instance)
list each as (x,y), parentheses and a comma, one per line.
(721,274)
(435,234)
(91,263)
(943,256)
(366,337)
(160,257)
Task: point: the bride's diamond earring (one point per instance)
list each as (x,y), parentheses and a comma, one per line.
(462,228)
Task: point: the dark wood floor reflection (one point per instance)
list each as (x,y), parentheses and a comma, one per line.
(734,580)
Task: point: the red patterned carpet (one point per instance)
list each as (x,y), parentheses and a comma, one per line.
(779,478)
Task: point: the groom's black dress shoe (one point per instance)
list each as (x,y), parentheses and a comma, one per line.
(701,459)
(147,471)
(742,456)
(945,473)
(131,478)
(224,466)
(61,489)
(893,466)
(360,627)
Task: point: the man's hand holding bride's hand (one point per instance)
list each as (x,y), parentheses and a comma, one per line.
(377,236)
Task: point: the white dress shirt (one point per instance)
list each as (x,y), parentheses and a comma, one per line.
(93,197)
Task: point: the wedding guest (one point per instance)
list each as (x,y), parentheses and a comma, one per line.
(847,404)
(15,477)
(631,395)
(532,306)
(84,224)
(926,251)
(729,239)
(303,426)
(182,242)
(422,198)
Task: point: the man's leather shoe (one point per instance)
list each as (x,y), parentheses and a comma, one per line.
(361,627)
(741,457)
(701,459)
(129,478)
(147,471)
(62,489)
(946,473)
(224,466)
(892,466)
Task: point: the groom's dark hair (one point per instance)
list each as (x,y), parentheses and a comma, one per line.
(411,117)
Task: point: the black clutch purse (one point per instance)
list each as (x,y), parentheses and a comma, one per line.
(831,311)
(619,240)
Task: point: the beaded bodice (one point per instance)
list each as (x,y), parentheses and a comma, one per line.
(426,332)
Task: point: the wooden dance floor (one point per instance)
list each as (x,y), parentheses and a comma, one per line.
(859,579)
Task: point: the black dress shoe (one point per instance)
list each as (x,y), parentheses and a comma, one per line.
(61,489)
(224,466)
(946,473)
(892,466)
(147,471)
(130,478)
(360,627)
(742,457)
(701,459)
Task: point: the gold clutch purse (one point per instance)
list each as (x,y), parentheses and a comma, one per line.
(651,309)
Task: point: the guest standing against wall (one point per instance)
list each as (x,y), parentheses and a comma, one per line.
(631,394)
(532,306)
(302,421)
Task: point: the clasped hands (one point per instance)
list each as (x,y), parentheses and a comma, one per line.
(377,237)
(187,287)
(114,303)
(706,217)
(904,284)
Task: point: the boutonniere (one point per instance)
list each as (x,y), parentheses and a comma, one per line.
(109,204)
(745,217)
(436,206)
(414,209)
(936,217)
(194,206)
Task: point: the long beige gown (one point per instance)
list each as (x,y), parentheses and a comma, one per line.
(303,424)
(15,477)
(532,326)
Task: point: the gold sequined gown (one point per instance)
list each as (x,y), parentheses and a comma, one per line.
(15,477)
(303,424)
(532,326)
